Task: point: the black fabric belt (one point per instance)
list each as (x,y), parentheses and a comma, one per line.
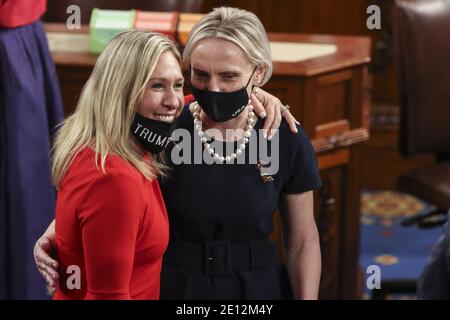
(221,257)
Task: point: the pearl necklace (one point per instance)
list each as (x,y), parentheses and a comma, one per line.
(221,159)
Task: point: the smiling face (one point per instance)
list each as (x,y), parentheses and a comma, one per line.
(163,97)
(220,65)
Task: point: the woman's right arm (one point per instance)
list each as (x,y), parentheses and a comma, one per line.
(46,265)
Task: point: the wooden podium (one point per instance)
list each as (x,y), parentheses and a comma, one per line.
(325,81)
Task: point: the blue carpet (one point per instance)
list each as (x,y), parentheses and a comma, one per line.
(400,252)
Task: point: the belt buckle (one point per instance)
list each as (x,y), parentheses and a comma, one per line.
(217,258)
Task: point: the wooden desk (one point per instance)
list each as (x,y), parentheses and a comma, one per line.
(330,96)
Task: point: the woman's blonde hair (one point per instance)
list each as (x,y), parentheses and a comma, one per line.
(238,26)
(105,110)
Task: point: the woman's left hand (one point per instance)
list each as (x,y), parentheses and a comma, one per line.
(270,107)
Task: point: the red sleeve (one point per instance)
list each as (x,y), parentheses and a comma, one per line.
(188,99)
(109,216)
(16,13)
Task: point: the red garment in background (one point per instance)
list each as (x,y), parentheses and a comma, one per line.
(17,13)
(113,228)
(188,99)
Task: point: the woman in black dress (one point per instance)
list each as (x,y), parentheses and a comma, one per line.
(223,189)
(228,175)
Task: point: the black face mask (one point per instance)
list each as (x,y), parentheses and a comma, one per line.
(151,134)
(222,106)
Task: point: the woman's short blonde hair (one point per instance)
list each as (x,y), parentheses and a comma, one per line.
(238,26)
(107,104)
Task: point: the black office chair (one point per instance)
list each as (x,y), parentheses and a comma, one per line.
(422,58)
(421,29)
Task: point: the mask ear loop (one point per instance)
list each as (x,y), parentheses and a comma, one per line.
(254,70)
(248,82)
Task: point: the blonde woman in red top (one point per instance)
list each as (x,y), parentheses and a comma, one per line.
(111,222)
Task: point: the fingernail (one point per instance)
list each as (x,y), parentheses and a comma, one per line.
(54,265)
(297,122)
(263,114)
(265,135)
(296,131)
(269,138)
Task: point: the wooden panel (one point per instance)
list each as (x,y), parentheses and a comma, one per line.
(71,82)
(329,210)
(333,159)
(332,103)
(381,155)
(332,128)
(309,16)
(357,97)
(334,78)
(307,107)
(288,90)
(350,226)
(333,98)
(366,99)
